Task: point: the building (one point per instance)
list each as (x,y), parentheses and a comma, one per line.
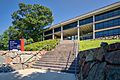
(97,24)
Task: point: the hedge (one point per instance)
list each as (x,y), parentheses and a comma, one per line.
(42,45)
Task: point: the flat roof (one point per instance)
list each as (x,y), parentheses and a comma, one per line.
(91,13)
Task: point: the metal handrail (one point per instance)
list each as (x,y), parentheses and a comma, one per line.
(76,56)
(35,54)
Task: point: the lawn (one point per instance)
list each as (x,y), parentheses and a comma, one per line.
(89,44)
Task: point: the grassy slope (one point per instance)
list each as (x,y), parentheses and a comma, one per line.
(89,44)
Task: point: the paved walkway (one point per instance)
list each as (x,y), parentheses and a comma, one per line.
(36,74)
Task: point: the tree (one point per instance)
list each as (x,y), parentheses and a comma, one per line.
(4,41)
(10,34)
(13,33)
(30,20)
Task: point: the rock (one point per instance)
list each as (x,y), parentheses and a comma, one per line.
(101,63)
(90,57)
(112,72)
(6,68)
(113,57)
(99,53)
(97,72)
(113,47)
(103,44)
(86,68)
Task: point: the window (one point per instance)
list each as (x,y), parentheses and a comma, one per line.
(107,24)
(71,25)
(111,32)
(108,14)
(57,29)
(48,37)
(86,21)
(48,32)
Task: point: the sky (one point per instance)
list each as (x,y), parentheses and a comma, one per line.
(62,9)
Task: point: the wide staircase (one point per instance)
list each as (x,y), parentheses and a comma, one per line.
(61,59)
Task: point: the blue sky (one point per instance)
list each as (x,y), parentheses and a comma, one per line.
(61,9)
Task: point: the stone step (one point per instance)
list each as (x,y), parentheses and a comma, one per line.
(55,60)
(59,58)
(55,64)
(56,69)
(58,55)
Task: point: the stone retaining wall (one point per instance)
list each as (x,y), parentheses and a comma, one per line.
(100,64)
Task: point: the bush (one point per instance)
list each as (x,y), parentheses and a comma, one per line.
(43,45)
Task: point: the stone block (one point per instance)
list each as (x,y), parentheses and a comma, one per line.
(113,57)
(86,68)
(99,53)
(113,47)
(90,57)
(112,72)
(97,72)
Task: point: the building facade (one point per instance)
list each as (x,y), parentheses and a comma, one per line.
(101,23)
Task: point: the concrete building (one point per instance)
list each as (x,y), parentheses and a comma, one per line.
(100,23)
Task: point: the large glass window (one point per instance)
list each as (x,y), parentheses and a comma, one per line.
(106,33)
(108,14)
(48,32)
(57,29)
(107,24)
(48,37)
(71,25)
(86,21)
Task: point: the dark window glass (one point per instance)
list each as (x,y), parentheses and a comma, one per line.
(48,37)
(108,14)
(107,24)
(71,25)
(48,32)
(86,21)
(57,29)
(106,33)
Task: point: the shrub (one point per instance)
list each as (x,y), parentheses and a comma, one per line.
(42,45)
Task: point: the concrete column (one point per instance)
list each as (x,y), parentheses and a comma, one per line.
(78,30)
(93,27)
(61,33)
(53,35)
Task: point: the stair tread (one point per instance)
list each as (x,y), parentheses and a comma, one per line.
(55,66)
(53,63)
(57,59)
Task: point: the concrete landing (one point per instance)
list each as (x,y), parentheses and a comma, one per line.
(36,74)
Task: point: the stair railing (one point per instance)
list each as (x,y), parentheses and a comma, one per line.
(24,63)
(76,56)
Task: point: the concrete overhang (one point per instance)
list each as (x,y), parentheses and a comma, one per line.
(83,16)
(73,31)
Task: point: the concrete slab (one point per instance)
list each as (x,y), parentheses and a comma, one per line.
(36,74)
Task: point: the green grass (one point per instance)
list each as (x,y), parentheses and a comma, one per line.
(42,45)
(89,44)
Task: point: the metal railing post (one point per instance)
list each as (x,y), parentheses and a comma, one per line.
(76,56)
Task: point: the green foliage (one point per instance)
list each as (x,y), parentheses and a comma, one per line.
(30,20)
(4,41)
(43,45)
(28,23)
(10,34)
(13,33)
(29,41)
(89,44)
